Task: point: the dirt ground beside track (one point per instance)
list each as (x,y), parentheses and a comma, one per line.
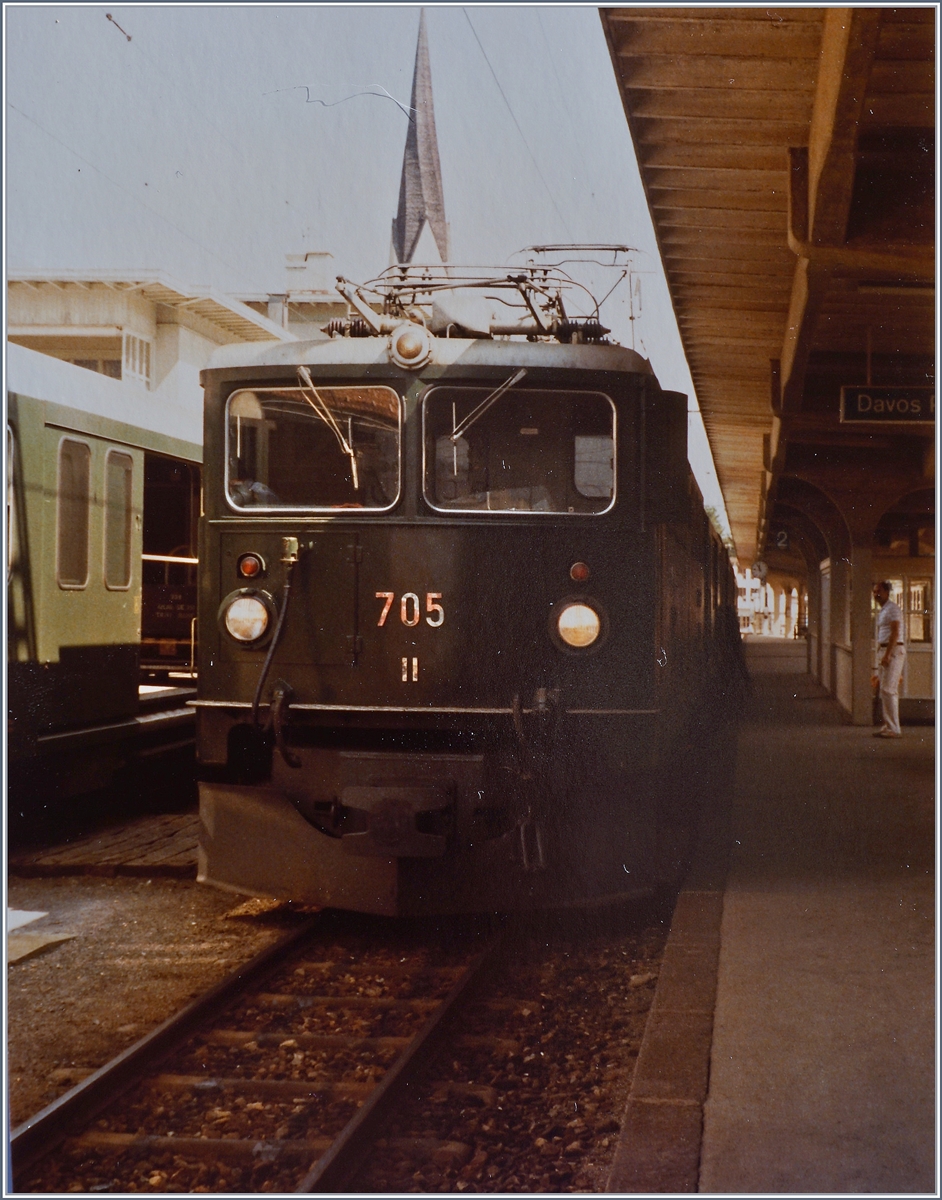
(140,950)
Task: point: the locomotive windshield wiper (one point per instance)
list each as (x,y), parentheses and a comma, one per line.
(486,403)
(320,407)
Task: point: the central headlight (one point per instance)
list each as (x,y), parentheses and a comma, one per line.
(578,625)
(246,618)
(410,345)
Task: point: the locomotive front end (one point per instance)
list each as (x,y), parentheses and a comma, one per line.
(426,681)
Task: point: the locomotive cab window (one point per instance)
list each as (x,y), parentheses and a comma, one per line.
(312,447)
(526,451)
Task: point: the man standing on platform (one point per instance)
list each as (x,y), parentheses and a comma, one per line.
(890,663)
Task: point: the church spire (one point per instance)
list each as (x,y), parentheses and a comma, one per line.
(420,188)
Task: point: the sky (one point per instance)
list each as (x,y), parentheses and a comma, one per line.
(209,141)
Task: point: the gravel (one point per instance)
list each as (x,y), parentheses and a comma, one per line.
(540,1110)
(142,948)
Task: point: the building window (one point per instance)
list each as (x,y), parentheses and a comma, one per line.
(919,611)
(896,543)
(136,359)
(104,366)
(118,480)
(901,535)
(914,597)
(72,497)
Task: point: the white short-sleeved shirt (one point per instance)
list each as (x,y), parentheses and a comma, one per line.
(889,613)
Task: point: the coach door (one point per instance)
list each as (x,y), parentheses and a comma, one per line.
(168,618)
(90,611)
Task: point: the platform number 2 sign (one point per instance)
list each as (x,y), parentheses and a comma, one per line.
(410,613)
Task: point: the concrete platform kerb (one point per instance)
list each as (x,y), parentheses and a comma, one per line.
(659,1145)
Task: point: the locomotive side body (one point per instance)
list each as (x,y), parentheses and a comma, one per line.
(457,667)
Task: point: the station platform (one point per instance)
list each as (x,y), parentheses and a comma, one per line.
(791,1045)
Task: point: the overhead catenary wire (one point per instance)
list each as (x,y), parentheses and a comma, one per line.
(219,134)
(178,92)
(114,183)
(382,94)
(566,107)
(519,129)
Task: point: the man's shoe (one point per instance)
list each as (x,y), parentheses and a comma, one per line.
(880,732)
(888,733)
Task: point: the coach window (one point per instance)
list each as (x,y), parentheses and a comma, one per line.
(118,475)
(525,451)
(313,447)
(72,496)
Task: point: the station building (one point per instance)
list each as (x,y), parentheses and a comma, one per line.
(309,300)
(145,330)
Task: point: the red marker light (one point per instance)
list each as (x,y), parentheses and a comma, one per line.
(579,572)
(250,565)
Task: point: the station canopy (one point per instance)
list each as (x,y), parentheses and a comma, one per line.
(788,157)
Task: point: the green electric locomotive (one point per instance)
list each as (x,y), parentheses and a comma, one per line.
(465,629)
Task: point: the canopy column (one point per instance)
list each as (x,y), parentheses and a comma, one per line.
(861,623)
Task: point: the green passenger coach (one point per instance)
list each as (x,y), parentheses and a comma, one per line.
(102,505)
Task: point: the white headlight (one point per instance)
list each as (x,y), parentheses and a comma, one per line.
(578,625)
(246,618)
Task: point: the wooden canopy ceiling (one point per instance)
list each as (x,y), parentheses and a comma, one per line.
(788,159)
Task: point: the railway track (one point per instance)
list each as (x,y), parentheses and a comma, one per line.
(275,1080)
(531,1097)
(334,1061)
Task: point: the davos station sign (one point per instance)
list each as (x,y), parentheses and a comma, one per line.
(888,405)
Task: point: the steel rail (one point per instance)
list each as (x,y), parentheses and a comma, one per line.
(42,1133)
(334,1169)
